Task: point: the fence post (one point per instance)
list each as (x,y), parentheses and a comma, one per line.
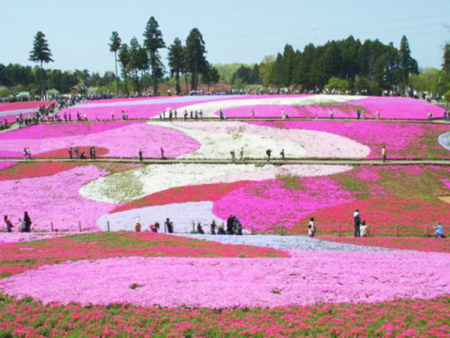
(340,230)
(51,224)
(79,226)
(107,224)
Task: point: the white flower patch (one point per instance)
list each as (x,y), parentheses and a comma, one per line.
(183,216)
(210,108)
(217,141)
(156,178)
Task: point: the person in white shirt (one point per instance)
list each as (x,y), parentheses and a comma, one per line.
(311,228)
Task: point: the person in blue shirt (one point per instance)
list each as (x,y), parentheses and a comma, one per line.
(439,231)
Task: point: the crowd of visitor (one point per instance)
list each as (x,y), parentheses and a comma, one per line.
(24,223)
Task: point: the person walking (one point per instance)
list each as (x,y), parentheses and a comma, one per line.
(162,153)
(71,153)
(357,223)
(213,227)
(8,223)
(241,154)
(311,227)
(200,229)
(141,155)
(167,225)
(230,224)
(137,226)
(439,231)
(383,153)
(27,221)
(283,158)
(233,155)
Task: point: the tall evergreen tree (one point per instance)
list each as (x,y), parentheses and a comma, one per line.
(135,62)
(195,56)
(124,59)
(114,47)
(407,65)
(288,65)
(41,54)
(176,62)
(153,42)
(446,64)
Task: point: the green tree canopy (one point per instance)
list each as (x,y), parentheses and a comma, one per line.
(153,43)
(114,47)
(176,60)
(195,56)
(40,54)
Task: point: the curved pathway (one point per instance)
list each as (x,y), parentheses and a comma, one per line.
(284,242)
(257,161)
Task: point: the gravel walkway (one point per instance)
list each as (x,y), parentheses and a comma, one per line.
(285,242)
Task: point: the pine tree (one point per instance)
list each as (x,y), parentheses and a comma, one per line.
(408,65)
(446,64)
(114,47)
(153,42)
(176,62)
(195,56)
(124,59)
(41,54)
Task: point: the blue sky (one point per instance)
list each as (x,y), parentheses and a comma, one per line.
(234,31)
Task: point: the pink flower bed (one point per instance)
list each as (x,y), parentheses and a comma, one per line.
(304,279)
(5,165)
(151,107)
(389,107)
(21,237)
(402,140)
(121,139)
(261,206)
(54,199)
(22,105)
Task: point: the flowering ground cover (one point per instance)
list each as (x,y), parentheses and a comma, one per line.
(321,105)
(401,318)
(404,243)
(402,140)
(54,198)
(17,171)
(5,165)
(218,139)
(328,277)
(151,107)
(121,139)
(391,199)
(19,257)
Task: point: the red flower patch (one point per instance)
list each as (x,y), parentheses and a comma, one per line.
(410,217)
(198,193)
(35,169)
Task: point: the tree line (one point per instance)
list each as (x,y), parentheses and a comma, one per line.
(143,62)
(370,65)
(16,78)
